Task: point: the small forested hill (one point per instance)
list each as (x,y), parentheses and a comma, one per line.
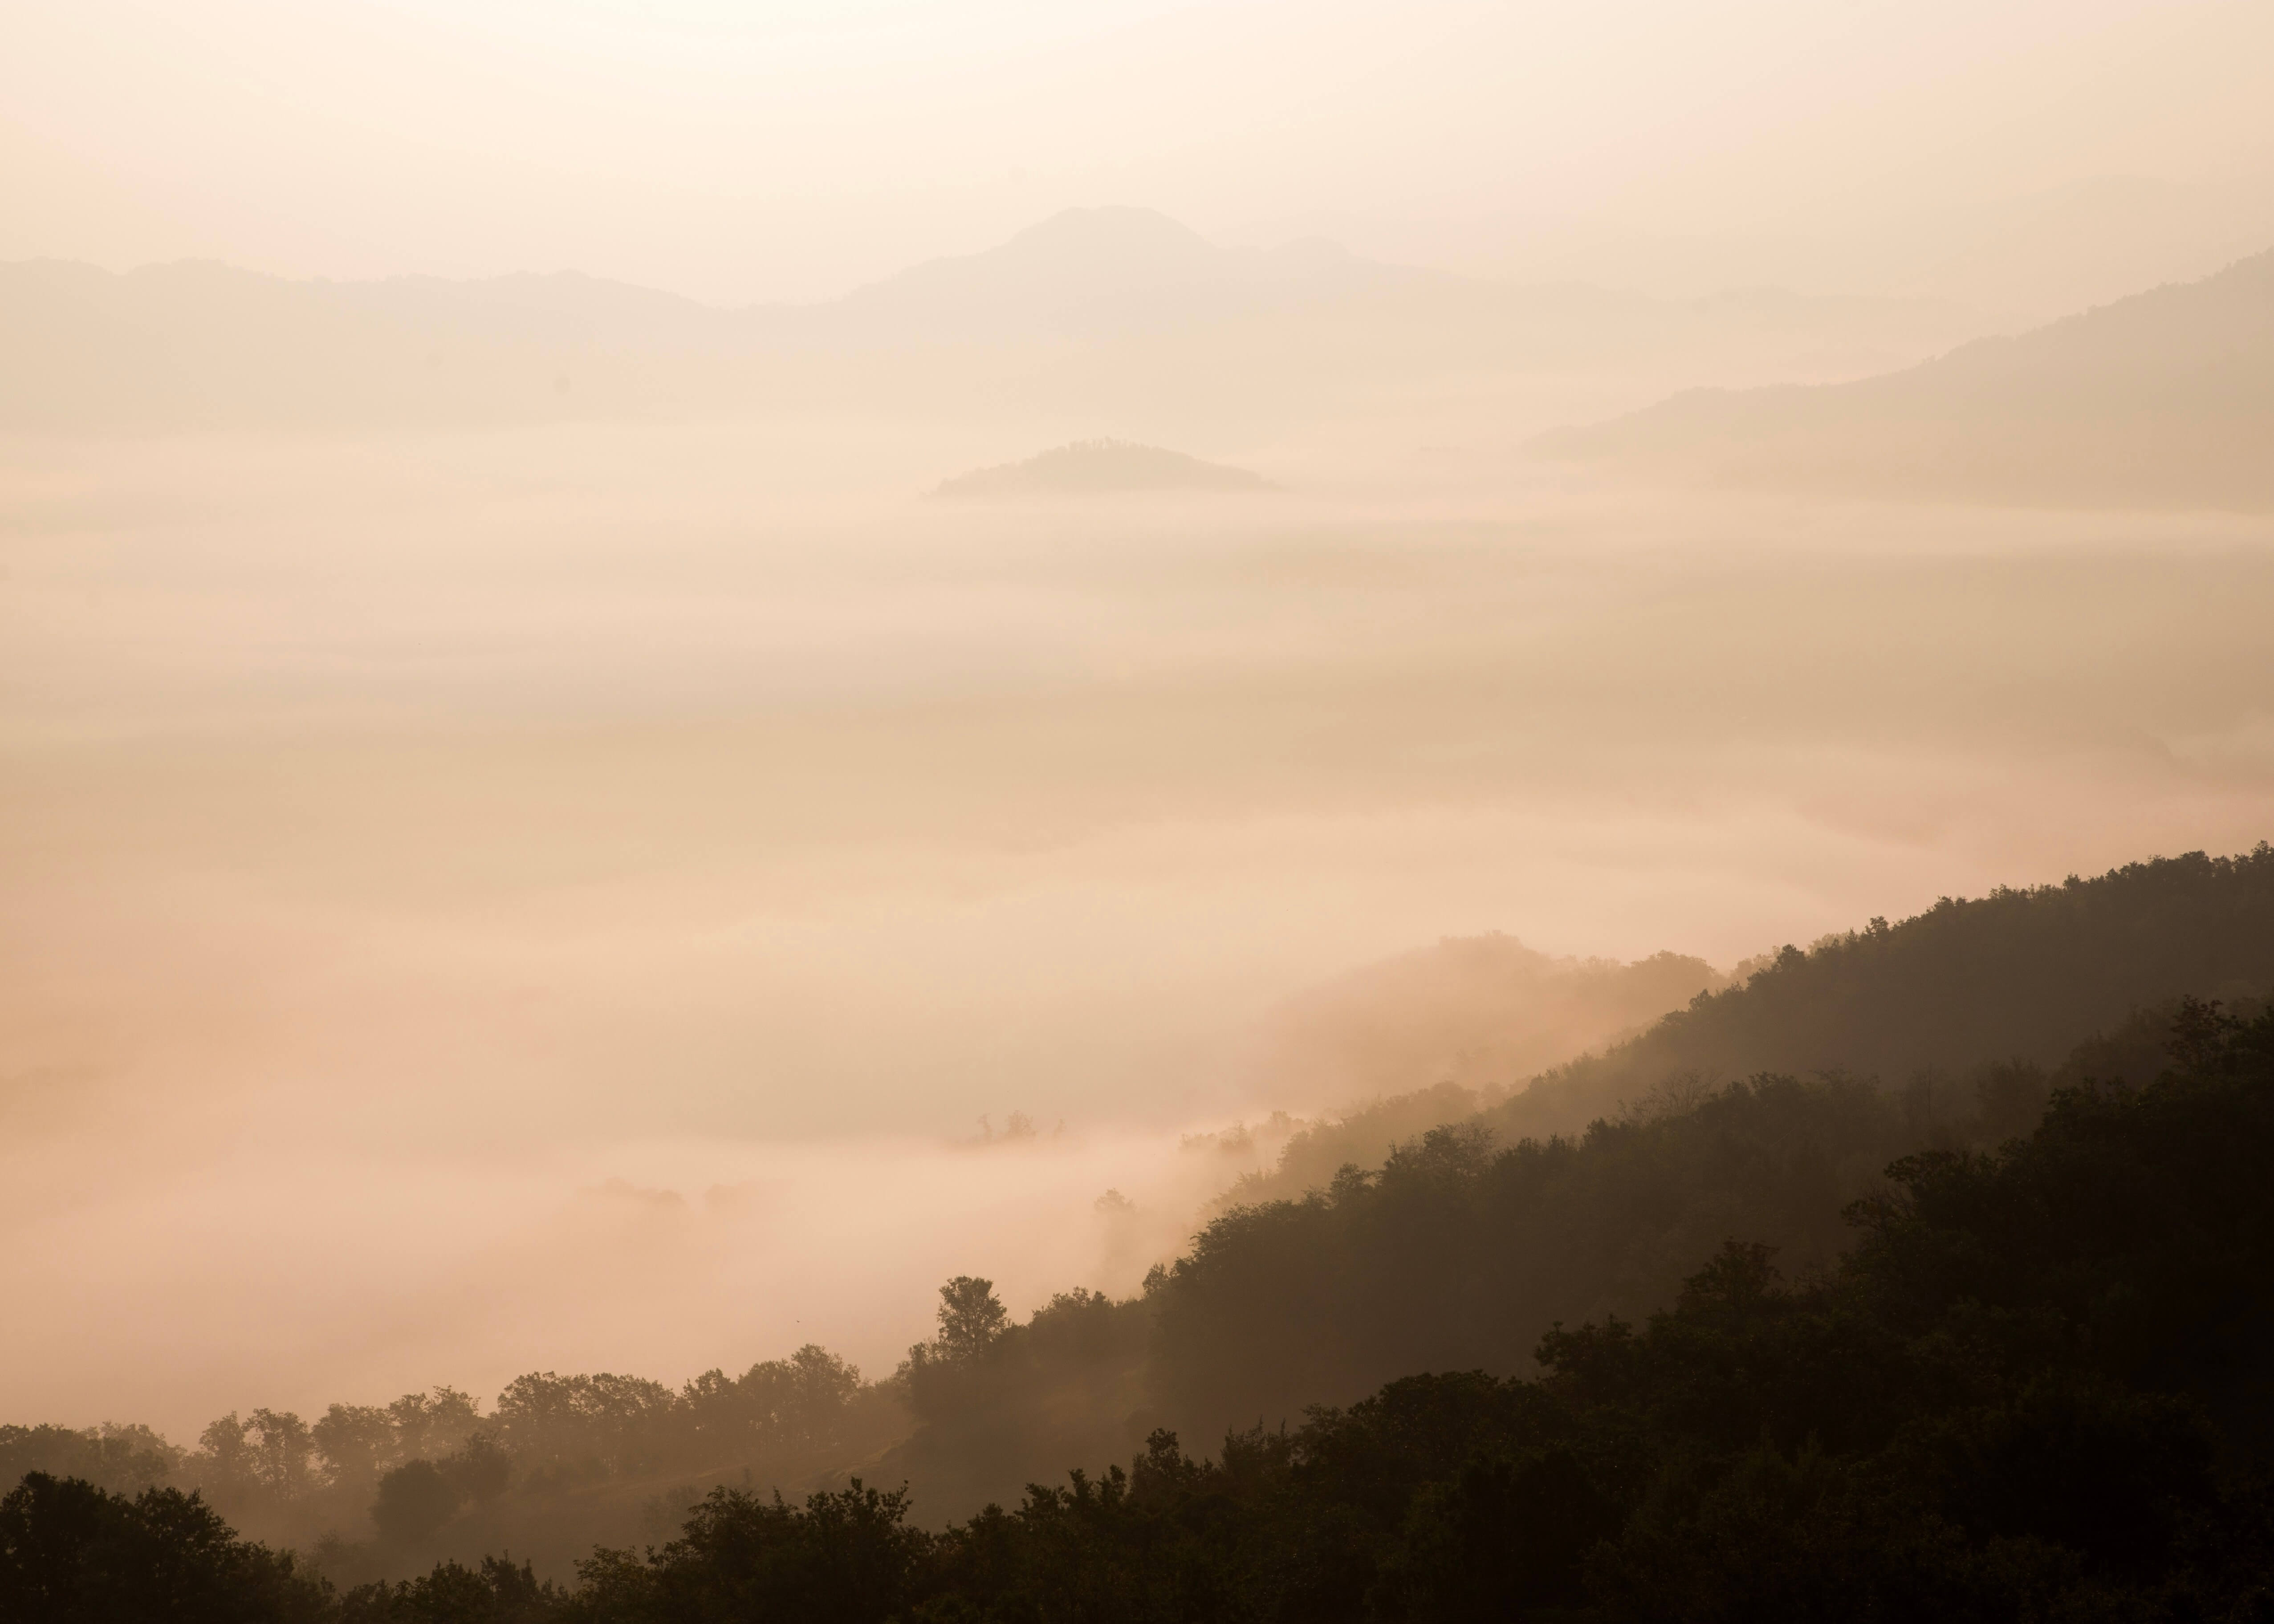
(2166,397)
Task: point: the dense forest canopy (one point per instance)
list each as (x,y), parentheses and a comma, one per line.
(1870,1076)
(2038,1384)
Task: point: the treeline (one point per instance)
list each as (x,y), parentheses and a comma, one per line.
(2039,1385)
(1470,1242)
(558,1462)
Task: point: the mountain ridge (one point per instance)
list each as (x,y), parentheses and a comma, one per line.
(1100,308)
(2166,396)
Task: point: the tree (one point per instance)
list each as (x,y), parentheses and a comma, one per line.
(431,1425)
(971,1317)
(225,1462)
(842,1558)
(123,1459)
(358,1442)
(497,1592)
(414,1500)
(281,1445)
(71,1553)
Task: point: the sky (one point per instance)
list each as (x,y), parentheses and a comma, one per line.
(766,152)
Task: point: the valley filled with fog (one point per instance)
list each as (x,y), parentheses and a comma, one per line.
(1126,813)
(593,895)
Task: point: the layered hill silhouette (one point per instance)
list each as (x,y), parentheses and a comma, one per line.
(2164,398)
(1101,467)
(1092,306)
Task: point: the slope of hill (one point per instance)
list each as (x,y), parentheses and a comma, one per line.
(1455,1021)
(2166,397)
(1101,467)
(2018,975)
(2036,1386)
(1477,1236)
(1460,1252)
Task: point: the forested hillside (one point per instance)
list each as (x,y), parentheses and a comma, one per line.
(2018,975)
(1760,1114)
(1920,1004)
(2038,1386)
(1751,1113)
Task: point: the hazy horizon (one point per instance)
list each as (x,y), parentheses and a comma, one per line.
(2029,159)
(539,831)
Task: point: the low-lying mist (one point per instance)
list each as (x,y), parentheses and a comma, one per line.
(566,896)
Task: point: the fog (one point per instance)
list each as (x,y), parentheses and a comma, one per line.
(557,897)
(532,838)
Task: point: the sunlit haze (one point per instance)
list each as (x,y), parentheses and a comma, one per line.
(743,152)
(670,670)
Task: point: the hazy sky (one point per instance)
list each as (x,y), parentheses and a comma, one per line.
(750,151)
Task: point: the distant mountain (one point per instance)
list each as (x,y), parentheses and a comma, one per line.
(1118,308)
(1097,271)
(2164,398)
(1099,466)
